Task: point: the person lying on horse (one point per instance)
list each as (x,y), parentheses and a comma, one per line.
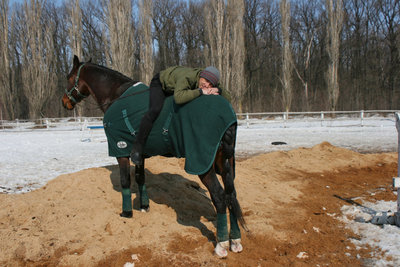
(185,84)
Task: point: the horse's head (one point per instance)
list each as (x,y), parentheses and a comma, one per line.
(76,89)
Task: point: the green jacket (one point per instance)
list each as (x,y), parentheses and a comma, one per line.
(183,82)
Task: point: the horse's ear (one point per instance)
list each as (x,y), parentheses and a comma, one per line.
(76,61)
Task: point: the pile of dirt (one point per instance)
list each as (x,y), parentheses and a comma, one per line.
(291,201)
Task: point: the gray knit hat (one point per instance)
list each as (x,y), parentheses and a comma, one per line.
(211,74)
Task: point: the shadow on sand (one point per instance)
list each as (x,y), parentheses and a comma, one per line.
(186,197)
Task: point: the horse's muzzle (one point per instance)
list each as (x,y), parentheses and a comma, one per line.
(67,103)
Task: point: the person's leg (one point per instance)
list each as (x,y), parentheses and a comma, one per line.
(157,98)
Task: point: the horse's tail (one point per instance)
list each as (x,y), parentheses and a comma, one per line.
(228,150)
(236,210)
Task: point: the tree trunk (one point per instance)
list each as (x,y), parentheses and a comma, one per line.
(121,35)
(237,53)
(335,22)
(287,92)
(38,77)
(146,41)
(75,34)
(8,99)
(217,35)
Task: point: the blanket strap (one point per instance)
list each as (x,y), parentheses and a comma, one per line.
(127,122)
(165,132)
(166,124)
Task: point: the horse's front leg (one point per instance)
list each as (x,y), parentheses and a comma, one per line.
(140,180)
(124,172)
(210,180)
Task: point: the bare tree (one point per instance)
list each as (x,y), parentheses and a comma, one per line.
(262,42)
(94,43)
(304,25)
(120,35)
(38,76)
(363,34)
(75,30)
(225,36)
(237,52)
(146,40)
(389,20)
(287,67)
(75,36)
(335,22)
(217,36)
(192,32)
(166,18)
(8,98)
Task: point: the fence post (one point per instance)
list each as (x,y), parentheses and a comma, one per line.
(396,180)
(84,125)
(362,118)
(285,116)
(322,118)
(247,120)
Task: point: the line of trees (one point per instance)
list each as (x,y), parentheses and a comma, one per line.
(299,55)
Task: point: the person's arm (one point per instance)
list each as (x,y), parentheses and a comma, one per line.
(183,92)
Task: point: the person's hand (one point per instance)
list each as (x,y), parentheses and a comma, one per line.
(210,91)
(207,88)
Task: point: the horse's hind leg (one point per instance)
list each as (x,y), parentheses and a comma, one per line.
(225,163)
(140,180)
(210,180)
(124,171)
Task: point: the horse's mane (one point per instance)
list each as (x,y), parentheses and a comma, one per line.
(114,72)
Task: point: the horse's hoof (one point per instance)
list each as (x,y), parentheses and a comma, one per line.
(126,214)
(236,246)
(222,249)
(145,208)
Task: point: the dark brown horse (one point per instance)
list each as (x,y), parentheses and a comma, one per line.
(106,86)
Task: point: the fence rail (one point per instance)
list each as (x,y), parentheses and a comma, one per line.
(322,118)
(321,114)
(67,123)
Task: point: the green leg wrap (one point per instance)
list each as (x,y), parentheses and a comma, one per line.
(235,230)
(126,199)
(222,227)
(144,198)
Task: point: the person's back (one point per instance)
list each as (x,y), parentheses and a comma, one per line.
(183,83)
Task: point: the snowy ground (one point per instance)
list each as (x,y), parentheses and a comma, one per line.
(29,158)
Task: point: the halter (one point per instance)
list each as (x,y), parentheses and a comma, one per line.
(75,88)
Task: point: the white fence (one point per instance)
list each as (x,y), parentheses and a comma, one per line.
(272,119)
(322,118)
(64,124)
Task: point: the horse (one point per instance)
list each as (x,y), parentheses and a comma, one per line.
(107,87)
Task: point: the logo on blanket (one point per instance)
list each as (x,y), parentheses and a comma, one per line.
(122,144)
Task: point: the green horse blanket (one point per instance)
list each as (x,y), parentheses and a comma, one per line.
(192,131)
